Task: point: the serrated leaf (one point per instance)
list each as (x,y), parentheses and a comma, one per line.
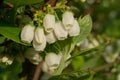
(85,28)
(84,52)
(24,2)
(11,33)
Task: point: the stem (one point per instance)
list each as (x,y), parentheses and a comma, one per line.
(63,2)
(63,60)
(37,72)
(57,17)
(52,2)
(62,64)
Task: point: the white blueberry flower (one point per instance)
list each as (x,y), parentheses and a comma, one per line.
(39,41)
(39,34)
(68,20)
(27,33)
(110,58)
(118,76)
(10,61)
(4,59)
(95,42)
(50,38)
(83,44)
(7,60)
(33,56)
(52,60)
(49,22)
(60,32)
(86,44)
(75,29)
(47,69)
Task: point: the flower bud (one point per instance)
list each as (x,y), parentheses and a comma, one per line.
(68,20)
(49,22)
(33,56)
(50,38)
(39,41)
(60,32)
(75,29)
(27,33)
(52,60)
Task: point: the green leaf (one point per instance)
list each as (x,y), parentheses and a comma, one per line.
(11,33)
(88,51)
(60,45)
(77,75)
(24,2)
(9,16)
(85,28)
(15,67)
(90,63)
(84,52)
(77,62)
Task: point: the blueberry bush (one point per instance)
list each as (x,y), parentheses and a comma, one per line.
(59,40)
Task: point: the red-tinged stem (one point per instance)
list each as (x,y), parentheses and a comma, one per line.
(37,71)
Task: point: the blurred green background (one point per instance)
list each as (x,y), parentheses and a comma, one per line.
(106,31)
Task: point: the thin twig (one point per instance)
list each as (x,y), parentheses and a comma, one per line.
(102,67)
(37,71)
(52,2)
